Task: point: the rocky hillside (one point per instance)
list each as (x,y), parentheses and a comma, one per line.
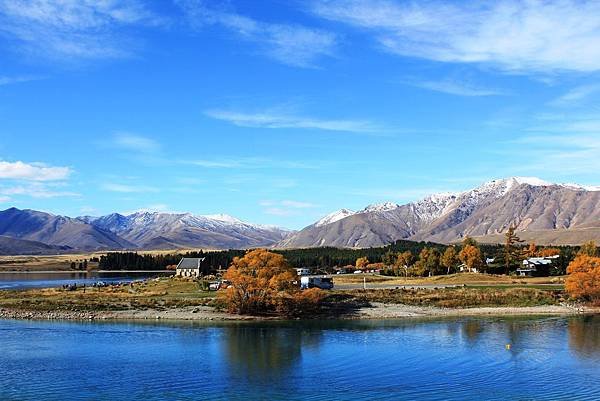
(564,213)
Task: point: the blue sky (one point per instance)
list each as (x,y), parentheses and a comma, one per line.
(279,112)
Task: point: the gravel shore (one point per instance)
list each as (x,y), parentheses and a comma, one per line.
(375,311)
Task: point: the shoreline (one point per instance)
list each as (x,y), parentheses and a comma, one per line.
(377,311)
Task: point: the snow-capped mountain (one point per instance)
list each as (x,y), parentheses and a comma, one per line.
(150,230)
(532,204)
(334,216)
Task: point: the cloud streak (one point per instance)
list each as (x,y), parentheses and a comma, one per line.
(513,36)
(294,45)
(457,88)
(73,29)
(273,120)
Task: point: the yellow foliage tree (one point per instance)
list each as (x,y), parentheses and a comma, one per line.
(583,280)
(471,256)
(257,279)
(449,259)
(589,249)
(404,261)
(362,263)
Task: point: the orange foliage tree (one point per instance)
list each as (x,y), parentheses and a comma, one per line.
(546,252)
(471,256)
(583,280)
(263,282)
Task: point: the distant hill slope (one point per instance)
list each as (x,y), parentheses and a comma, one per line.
(14,246)
(566,214)
(58,230)
(143,230)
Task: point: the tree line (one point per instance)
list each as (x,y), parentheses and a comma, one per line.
(400,258)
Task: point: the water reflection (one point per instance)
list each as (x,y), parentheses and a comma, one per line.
(23,280)
(264,352)
(584,336)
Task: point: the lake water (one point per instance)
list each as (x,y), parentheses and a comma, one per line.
(458,359)
(23,280)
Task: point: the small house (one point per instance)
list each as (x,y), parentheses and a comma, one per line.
(535,266)
(189,267)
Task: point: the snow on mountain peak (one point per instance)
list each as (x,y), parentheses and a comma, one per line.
(225,218)
(333,217)
(380,207)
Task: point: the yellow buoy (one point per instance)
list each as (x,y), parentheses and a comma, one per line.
(507,346)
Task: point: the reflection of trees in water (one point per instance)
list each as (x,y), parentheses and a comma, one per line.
(584,336)
(471,330)
(261,352)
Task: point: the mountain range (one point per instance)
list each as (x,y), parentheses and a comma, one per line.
(31,230)
(543,212)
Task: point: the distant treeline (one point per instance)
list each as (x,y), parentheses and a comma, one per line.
(325,258)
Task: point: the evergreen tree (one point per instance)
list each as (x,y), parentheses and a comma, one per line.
(512,250)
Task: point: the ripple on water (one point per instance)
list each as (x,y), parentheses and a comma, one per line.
(460,359)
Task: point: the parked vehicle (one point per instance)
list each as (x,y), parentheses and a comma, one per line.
(324,283)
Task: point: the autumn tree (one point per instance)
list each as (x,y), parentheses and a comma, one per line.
(257,279)
(583,280)
(362,262)
(449,259)
(389,258)
(588,249)
(546,252)
(404,261)
(429,262)
(512,249)
(531,251)
(471,256)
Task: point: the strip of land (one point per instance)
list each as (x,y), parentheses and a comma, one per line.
(184,299)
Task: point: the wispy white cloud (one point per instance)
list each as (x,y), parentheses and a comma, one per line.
(251,163)
(454,87)
(576,95)
(270,119)
(565,153)
(73,29)
(32,171)
(135,143)
(127,188)
(36,190)
(4,80)
(4,199)
(286,207)
(295,45)
(513,35)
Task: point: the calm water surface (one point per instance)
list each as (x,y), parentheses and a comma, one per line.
(23,280)
(464,359)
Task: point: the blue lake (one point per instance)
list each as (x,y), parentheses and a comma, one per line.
(457,359)
(24,280)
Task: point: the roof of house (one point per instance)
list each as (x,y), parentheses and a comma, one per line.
(190,263)
(537,261)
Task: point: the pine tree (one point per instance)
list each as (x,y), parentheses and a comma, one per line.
(512,250)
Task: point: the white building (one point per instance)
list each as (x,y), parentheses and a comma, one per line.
(189,267)
(531,265)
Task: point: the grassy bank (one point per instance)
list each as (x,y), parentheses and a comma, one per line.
(173,295)
(157,294)
(454,297)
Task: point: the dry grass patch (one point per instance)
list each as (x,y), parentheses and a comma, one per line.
(461,297)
